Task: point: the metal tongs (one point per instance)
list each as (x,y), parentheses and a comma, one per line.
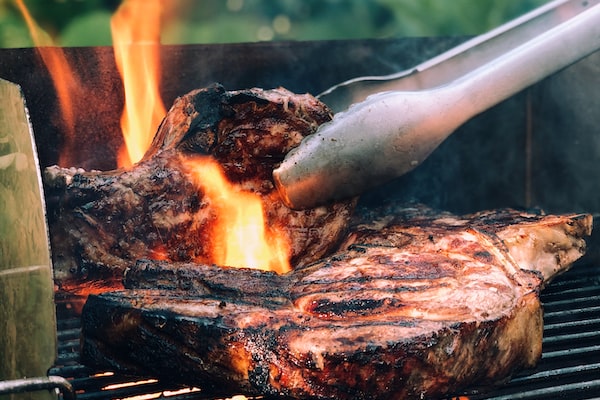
(395,122)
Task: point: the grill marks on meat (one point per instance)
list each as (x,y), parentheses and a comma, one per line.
(542,247)
(412,306)
(101,222)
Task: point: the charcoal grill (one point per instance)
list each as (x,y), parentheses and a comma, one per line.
(535,149)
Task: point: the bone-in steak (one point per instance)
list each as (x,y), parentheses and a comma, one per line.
(102,222)
(414,305)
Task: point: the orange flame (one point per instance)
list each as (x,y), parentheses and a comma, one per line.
(136,37)
(63,77)
(240,234)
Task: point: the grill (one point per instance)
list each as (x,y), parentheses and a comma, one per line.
(523,156)
(569,368)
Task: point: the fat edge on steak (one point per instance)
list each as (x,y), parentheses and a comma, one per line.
(417,304)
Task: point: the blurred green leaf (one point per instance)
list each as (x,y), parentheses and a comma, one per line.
(226,30)
(457,17)
(91,29)
(13,32)
(85,22)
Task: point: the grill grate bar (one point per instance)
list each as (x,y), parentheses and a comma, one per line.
(573,312)
(70,371)
(553,373)
(571,337)
(578,277)
(570,293)
(570,352)
(63,326)
(66,334)
(580,302)
(68,346)
(572,284)
(588,389)
(592,323)
(122,392)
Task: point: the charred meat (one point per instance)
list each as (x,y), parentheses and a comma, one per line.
(413,305)
(102,222)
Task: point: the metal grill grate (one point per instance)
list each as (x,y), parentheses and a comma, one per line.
(569,368)
(91,385)
(570,364)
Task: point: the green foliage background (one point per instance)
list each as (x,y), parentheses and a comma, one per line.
(86,22)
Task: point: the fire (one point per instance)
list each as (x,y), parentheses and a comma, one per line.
(56,62)
(241,236)
(136,37)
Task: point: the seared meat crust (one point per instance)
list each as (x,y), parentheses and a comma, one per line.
(102,222)
(415,305)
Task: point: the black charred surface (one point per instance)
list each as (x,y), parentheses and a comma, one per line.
(351,307)
(101,222)
(98,220)
(211,109)
(232,285)
(167,334)
(437,313)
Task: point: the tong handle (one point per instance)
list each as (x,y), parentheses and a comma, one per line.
(460,60)
(529,63)
(391,133)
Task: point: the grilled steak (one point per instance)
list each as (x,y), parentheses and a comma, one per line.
(414,305)
(101,222)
